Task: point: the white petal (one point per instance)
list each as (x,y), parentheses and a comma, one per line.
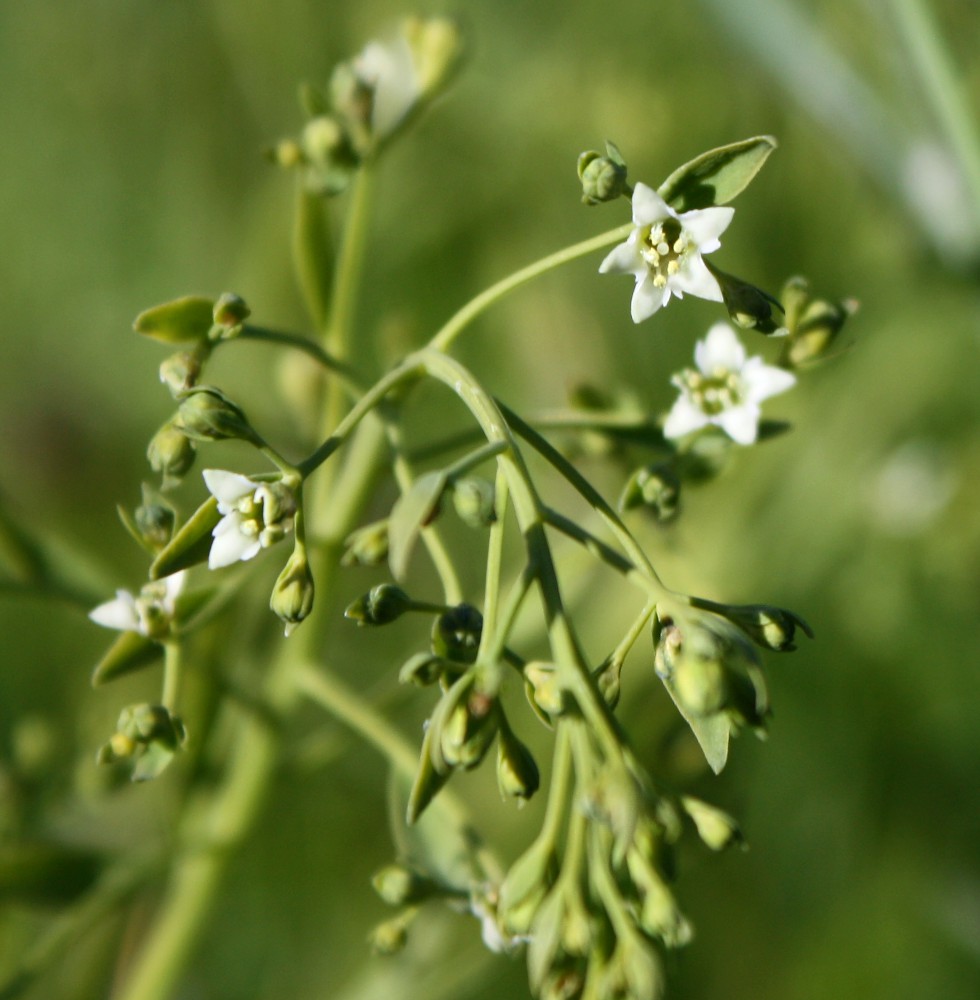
(649,207)
(231,546)
(720,349)
(695,279)
(388,67)
(683,418)
(623,259)
(227,487)
(762,381)
(647,299)
(119,613)
(705,225)
(740,423)
(173,585)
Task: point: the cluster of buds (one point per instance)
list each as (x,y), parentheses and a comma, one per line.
(369,100)
(148,736)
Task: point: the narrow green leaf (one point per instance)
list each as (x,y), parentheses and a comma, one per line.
(188,318)
(712,732)
(716,177)
(191,544)
(410,514)
(129,653)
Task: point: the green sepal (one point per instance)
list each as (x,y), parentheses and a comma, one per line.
(711,731)
(410,514)
(129,523)
(428,781)
(188,318)
(129,653)
(191,544)
(152,763)
(717,176)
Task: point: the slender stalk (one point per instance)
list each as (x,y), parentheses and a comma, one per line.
(444,339)
(172,670)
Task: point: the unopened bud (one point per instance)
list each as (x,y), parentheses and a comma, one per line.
(436,46)
(456,633)
(180,371)
(399,885)
(716,828)
(473,499)
(603,177)
(292,595)
(207,414)
(767,626)
(544,688)
(389,937)
(230,312)
(748,307)
(170,453)
(154,520)
(422,670)
(517,773)
(379,606)
(656,487)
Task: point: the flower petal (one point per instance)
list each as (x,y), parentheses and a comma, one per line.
(683,418)
(388,67)
(720,349)
(227,487)
(119,613)
(762,381)
(647,299)
(695,279)
(231,546)
(649,207)
(705,225)
(740,423)
(624,258)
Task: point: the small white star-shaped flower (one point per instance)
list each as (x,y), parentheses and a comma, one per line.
(256,515)
(149,613)
(388,68)
(664,252)
(726,389)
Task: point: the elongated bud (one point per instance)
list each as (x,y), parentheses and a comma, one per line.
(292,595)
(767,626)
(367,546)
(171,454)
(437,47)
(207,414)
(748,307)
(379,606)
(603,177)
(389,937)
(544,689)
(517,773)
(154,519)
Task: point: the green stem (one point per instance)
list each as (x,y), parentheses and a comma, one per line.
(444,339)
(172,669)
(352,379)
(944,88)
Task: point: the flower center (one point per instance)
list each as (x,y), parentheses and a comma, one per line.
(714,393)
(662,247)
(266,514)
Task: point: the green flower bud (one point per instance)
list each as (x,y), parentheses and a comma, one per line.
(517,773)
(381,605)
(700,682)
(767,626)
(656,487)
(473,499)
(292,595)
(180,371)
(603,177)
(171,454)
(456,634)
(287,154)
(154,520)
(149,735)
(817,330)
(437,47)
(544,689)
(716,828)
(748,307)
(399,885)
(469,729)
(328,153)
(230,312)
(367,546)
(207,414)
(524,887)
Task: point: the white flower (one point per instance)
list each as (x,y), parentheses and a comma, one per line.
(664,252)
(149,614)
(726,390)
(255,516)
(388,69)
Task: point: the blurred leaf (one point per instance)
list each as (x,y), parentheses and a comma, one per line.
(716,177)
(191,544)
(410,514)
(129,653)
(45,873)
(188,318)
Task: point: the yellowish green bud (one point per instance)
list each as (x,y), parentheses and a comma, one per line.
(603,177)
(292,595)
(170,453)
(656,487)
(544,688)
(367,546)
(184,319)
(517,773)
(473,498)
(180,371)
(422,670)
(716,828)
(399,885)
(767,626)
(230,312)
(437,47)
(748,307)
(154,520)
(390,936)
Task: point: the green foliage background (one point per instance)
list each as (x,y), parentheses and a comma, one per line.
(132,173)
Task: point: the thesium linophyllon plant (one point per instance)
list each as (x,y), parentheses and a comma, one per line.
(593,899)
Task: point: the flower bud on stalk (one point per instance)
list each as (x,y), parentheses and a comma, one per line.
(170,453)
(381,605)
(207,414)
(292,595)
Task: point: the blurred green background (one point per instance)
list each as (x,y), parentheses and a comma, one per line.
(132,173)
